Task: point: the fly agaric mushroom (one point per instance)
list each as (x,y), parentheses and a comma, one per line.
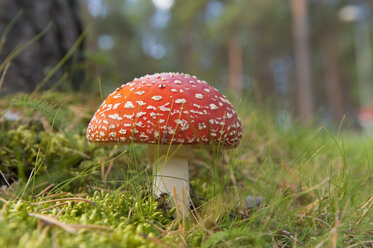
(167,110)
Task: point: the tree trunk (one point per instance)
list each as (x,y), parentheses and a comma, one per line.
(30,67)
(332,77)
(302,59)
(235,65)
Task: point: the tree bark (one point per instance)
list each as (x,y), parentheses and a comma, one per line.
(235,65)
(302,59)
(332,77)
(29,68)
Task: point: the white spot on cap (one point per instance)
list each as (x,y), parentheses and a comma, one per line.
(199,96)
(112,134)
(139,114)
(143,137)
(129,105)
(151,107)
(174,90)
(163,108)
(105,121)
(156,98)
(112,126)
(129,116)
(114,117)
(122,131)
(117,96)
(140,93)
(181,100)
(177,82)
(213,106)
(116,105)
(207,90)
(141,103)
(184,125)
(156,134)
(201,126)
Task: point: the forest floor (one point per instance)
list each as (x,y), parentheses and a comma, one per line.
(315,185)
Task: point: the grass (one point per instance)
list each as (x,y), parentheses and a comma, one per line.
(60,191)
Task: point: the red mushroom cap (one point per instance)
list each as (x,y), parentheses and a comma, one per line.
(166,108)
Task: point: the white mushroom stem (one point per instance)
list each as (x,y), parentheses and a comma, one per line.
(173,173)
(171,170)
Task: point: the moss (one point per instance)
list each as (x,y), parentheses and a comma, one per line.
(312,183)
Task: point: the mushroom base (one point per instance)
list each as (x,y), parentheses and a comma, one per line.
(171,170)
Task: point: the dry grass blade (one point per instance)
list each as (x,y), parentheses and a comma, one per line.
(3,200)
(177,208)
(365,207)
(91,226)
(367,243)
(71,228)
(155,226)
(3,75)
(184,208)
(335,230)
(46,190)
(64,199)
(169,228)
(23,47)
(2,175)
(3,210)
(54,206)
(54,221)
(291,236)
(158,242)
(58,194)
(312,206)
(8,28)
(108,170)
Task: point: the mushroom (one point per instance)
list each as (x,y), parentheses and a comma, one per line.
(173,112)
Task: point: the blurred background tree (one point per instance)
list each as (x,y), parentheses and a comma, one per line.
(303,58)
(25,20)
